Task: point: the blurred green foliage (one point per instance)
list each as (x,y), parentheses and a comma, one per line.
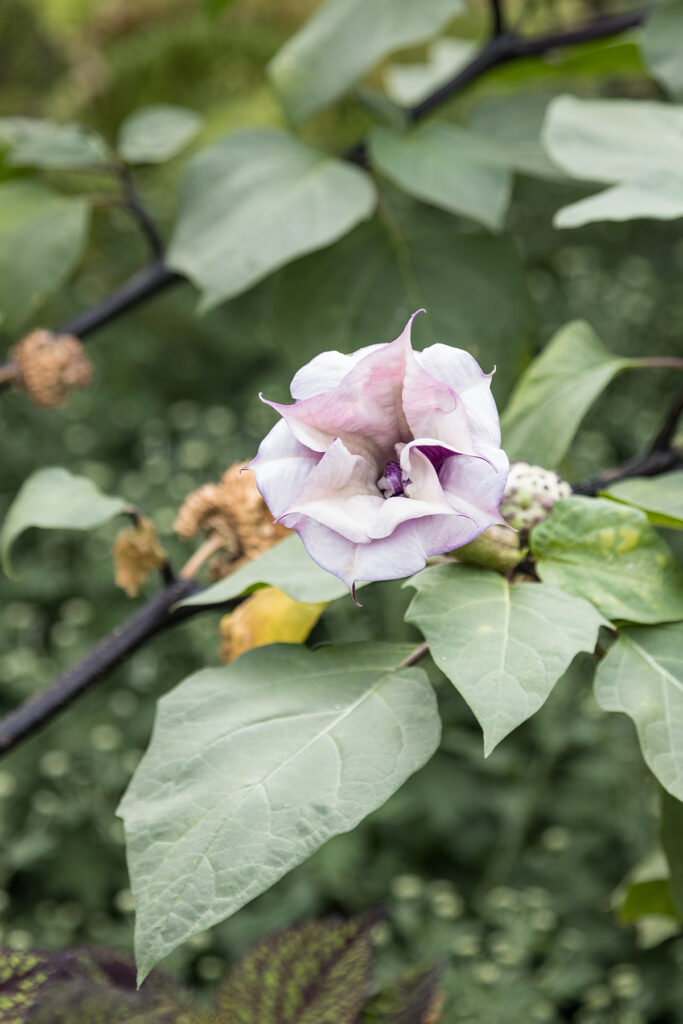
(502,868)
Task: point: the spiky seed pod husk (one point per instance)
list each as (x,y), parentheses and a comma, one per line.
(530,494)
(49,366)
(235,510)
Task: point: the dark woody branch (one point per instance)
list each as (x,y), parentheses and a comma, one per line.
(136,207)
(138,288)
(497,18)
(661,457)
(651,463)
(155,616)
(504,48)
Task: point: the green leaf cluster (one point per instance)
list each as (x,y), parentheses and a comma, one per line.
(252,767)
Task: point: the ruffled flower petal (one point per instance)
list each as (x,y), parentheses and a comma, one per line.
(364,410)
(475,483)
(460,371)
(326,371)
(432,409)
(390,558)
(282,467)
(340,493)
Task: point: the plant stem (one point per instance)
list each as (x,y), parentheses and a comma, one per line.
(212,544)
(661,457)
(134,204)
(497,18)
(415,656)
(663,440)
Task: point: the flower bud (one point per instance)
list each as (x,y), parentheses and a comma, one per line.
(529,496)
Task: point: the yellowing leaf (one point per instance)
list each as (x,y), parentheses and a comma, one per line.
(267,617)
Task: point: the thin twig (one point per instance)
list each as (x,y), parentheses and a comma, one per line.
(415,656)
(661,457)
(136,207)
(663,440)
(497,18)
(650,464)
(210,546)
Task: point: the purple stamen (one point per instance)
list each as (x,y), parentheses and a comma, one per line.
(391,484)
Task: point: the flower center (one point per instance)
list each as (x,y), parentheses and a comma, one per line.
(391,483)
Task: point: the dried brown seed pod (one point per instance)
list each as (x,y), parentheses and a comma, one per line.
(235,511)
(49,366)
(137,552)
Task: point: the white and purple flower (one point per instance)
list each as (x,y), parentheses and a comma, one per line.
(386,457)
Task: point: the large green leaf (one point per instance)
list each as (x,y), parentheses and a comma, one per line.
(514,121)
(253,766)
(671,835)
(642,675)
(447,166)
(318,972)
(658,195)
(35,143)
(555,393)
(53,498)
(502,645)
(154,134)
(366,287)
(634,144)
(662,43)
(255,201)
(287,566)
(661,497)
(42,235)
(611,555)
(342,40)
